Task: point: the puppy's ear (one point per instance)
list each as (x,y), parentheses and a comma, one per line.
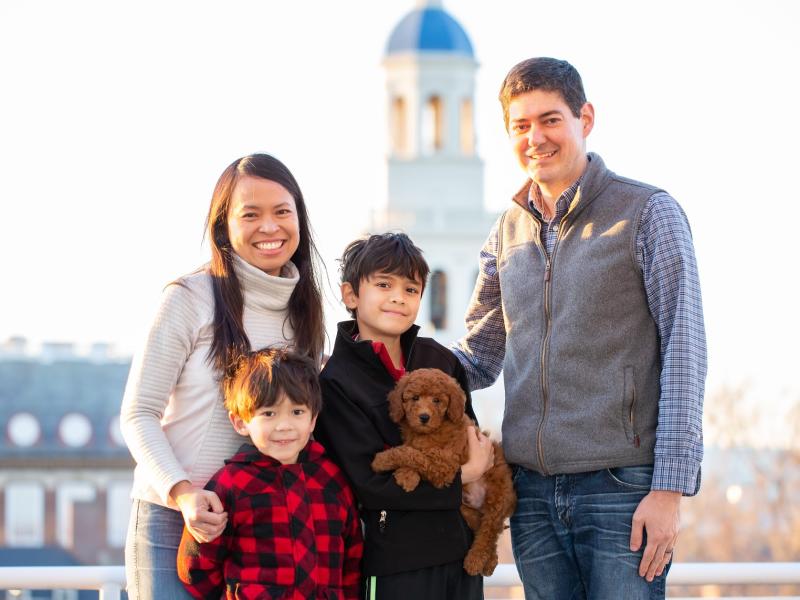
(455,408)
(396,411)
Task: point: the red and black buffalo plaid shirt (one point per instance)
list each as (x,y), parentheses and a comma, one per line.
(293,532)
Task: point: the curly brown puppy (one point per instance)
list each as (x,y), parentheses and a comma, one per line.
(428,405)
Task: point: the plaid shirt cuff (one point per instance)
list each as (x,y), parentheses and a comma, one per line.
(676,475)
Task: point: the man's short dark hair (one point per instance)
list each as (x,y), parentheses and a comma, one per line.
(391,253)
(543,73)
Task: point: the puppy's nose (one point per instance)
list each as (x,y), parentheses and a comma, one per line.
(424,418)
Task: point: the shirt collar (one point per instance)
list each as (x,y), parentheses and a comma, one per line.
(536,203)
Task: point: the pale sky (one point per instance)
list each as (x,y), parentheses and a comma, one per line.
(116,118)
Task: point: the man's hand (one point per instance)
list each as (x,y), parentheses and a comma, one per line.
(202,511)
(658,514)
(481,456)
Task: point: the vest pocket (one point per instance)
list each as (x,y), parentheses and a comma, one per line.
(629,408)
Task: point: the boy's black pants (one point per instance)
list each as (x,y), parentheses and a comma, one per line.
(443,582)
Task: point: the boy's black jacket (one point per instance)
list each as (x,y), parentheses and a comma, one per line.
(423,528)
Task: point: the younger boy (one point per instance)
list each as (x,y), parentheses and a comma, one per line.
(415,542)
(293,531)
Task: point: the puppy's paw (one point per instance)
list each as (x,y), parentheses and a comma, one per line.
(382,462)
(489,566)
(406,478)
(474,562)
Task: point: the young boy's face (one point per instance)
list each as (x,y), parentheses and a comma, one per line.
(280,431)
(386,305)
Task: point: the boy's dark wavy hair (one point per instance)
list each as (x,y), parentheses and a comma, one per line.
(392,253)
(262,377)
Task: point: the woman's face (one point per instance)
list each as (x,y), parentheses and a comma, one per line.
(263,226)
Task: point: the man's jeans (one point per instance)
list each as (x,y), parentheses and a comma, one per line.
(571,535)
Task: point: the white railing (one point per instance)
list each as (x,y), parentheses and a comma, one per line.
(109,581)
(692,574)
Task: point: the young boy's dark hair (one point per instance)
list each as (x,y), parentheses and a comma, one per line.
(392,253)
(263,376)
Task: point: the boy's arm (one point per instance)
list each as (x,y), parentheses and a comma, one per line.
(353,549)
(201,566)
(353,441)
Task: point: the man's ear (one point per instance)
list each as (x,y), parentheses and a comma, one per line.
(349,296)
(239,424)
(587,118)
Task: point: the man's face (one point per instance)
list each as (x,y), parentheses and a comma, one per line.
(548,140)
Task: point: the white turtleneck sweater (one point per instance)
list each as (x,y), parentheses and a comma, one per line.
(173,418)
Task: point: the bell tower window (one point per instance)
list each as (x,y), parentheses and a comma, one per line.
(433,125)
(466,128)
(399,125)
(438,296)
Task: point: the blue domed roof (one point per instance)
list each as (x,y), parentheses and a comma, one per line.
(429,29)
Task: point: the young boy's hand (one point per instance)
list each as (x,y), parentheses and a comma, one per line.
(202,512)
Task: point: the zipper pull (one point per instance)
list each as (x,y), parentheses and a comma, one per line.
(547,271)
(382,521)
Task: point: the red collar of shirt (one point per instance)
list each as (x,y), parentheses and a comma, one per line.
(383,354)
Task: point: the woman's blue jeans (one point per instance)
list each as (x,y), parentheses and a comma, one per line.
(571,535)
(151,550)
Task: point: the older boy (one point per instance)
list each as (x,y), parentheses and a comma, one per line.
(293,531)
(415,542)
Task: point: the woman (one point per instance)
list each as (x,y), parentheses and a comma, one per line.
(259,289)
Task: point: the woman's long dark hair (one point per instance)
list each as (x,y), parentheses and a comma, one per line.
(305,304)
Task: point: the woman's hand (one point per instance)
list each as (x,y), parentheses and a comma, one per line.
(481,456)
(202,511)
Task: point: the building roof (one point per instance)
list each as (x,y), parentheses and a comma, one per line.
(61,412)
(429,29)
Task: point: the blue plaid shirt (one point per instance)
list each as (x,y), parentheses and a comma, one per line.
(665,254)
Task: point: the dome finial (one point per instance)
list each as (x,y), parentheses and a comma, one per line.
(429,4)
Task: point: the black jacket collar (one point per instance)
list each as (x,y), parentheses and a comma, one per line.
(362,349)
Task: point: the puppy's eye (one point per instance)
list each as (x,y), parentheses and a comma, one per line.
(414,398)
(436,401)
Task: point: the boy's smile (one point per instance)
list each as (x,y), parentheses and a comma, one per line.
(386,305)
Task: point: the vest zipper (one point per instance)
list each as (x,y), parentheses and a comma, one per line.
(548,263)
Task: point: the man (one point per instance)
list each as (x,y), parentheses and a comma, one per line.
(588,299)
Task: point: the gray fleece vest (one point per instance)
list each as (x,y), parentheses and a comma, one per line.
(582,361)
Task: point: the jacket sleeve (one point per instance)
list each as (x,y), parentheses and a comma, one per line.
(353,548)
(352,440)
(201,566)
